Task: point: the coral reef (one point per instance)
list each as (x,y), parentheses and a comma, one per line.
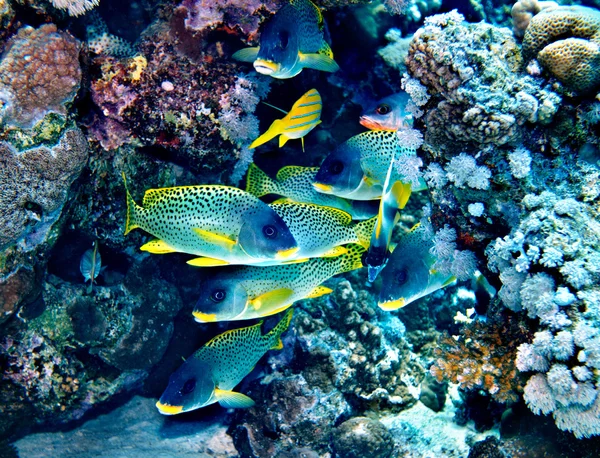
(75,7)
(361,436)
(39,74)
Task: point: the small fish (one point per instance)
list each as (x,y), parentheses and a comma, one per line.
(304,116)
(294,38)
(408,274)
(388,114)
(222,224)
(243,293)
(212,372)
(90,265)
(357,169)
(296,184)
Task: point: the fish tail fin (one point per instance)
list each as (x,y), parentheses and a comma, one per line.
(364,231)
(272,132)
(132,210)
(259,184)
(274,334)
(351,260)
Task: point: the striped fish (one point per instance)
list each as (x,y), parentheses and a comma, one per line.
(304,116)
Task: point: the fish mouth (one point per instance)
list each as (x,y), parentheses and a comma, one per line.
(326,188)
(166,409)
(392,305)
(265,67)
(285,254)
(204,318)
(369,123)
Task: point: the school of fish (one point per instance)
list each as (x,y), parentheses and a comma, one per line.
(328,220)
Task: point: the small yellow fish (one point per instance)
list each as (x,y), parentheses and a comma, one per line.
(304,116)
(212,372)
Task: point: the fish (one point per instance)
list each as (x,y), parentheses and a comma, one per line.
(91,265)
(388,113)
(212,372)
(294,38)
(304,116)
(295,183)
(220,224)
(409,273)
(357,169)
(247,292)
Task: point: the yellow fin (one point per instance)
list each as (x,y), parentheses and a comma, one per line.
(267,302)
(335,252)
(246,54)
(206,262)
(157,246)
(318,62)
(283,140)
(318,292)
(214,239)
(450,280)
(401,192)
(233,400)
(272,132)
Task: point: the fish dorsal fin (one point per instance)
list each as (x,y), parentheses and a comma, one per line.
(206,262)
(246,54)
(158,246)
(276,129)
(233,400)
(292,171)
(318,61)
(342,217)
(214,239)
(151,196)
(335,252)
(319,291)
(269,302)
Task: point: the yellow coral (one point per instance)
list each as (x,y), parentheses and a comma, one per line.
(136,67)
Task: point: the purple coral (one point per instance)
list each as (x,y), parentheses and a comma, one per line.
(39,74)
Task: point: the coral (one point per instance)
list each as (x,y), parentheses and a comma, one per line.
(483,357)
(16,287)
(479,95)
(75,7)
(39,74)
(523,10)
(450,260)
(463,169)
(35,187)
(566,41)
(520,162)
(360,437)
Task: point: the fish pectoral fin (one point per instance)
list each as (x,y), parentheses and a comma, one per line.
(233,400)
(283,140)
(271,300)
(272,132)
(246,54)
(158,246)
(318,62)
(319,291)
(401,192)
(335,252)
(214,239)
(206,262)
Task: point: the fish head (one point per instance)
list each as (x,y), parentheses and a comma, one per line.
(222,298)
(388,114)
(264,235)
(190,387)
(341,172)
(405,278)
(278,51)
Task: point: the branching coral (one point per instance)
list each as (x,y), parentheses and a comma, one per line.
(39,74)
(76,7)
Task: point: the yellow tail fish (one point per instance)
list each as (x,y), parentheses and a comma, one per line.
(304,116)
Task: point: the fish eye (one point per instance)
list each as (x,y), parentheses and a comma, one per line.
(336,167)
(401,277)
(383,109)
(218,295)
(188,386)
(284,38)
(270,232)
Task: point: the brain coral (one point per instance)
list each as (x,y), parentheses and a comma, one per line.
(39,74)
(35,186)
(472,69)
(566,41)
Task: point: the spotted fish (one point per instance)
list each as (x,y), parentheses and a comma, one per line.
(243,293)
(388,114)
(409,273)
(294,38)
(296,184)
(304,116)
(357,169)
(212,372)
(222,223)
